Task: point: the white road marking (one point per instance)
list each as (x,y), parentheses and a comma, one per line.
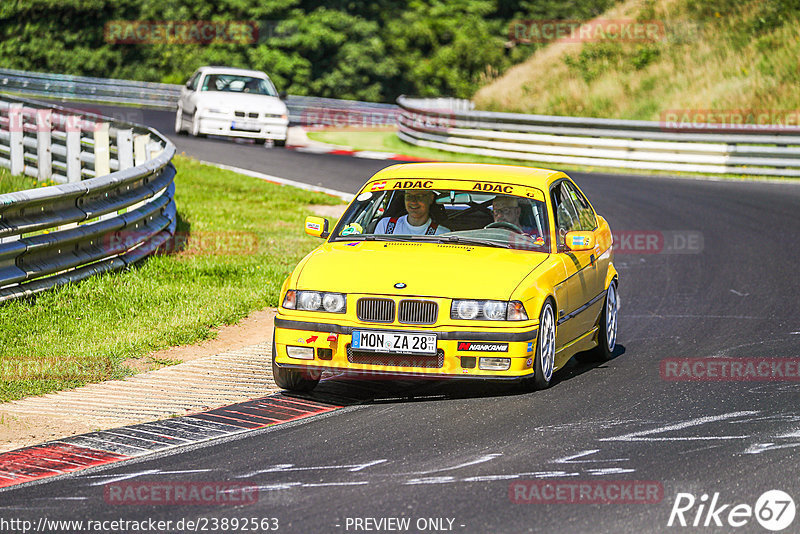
(609,471)
(572,460)
(762,447)
(478,460)
(285,468)
(325,484)
(117,478)
(738,293)
(642,435)
(430,480)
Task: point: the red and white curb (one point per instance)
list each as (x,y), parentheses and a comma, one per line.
(76,453)
(364,154)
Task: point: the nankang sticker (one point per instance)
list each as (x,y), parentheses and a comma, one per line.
(471,346)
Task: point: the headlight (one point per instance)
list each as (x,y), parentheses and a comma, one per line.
(333,302)
(466,309)
(488,310)
(315,301)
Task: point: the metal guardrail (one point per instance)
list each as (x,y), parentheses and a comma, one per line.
(451,125)
(303,110)
(96,220)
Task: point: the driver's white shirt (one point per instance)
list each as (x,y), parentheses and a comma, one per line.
(402,227)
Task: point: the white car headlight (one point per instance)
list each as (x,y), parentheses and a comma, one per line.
(315,301)
(488,310)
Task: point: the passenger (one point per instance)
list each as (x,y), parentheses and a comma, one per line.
(417,221)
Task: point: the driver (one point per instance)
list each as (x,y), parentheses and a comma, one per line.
(418,219)
(507,209)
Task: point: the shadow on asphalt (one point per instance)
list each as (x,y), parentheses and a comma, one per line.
(351,390)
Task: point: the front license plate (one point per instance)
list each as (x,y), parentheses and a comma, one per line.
(396,342)
(245,126)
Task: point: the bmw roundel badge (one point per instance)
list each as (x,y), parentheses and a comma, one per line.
(400,285)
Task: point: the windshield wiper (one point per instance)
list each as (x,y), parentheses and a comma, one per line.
(459,240)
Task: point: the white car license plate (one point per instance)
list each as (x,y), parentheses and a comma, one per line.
(246,126)
(396,342)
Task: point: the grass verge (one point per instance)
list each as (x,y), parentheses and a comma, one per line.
(386,140)
(244,237)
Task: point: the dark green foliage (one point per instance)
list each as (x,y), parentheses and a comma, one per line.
(370,50)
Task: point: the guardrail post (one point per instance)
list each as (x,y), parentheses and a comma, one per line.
(140,143)
(125,149)
(102,153)
(15,130)
(73,145)
(43,149)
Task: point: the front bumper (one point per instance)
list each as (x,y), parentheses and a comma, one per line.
(276,129)
(458,351)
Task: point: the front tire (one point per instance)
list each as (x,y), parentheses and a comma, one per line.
(292,379)
(607,328)
(196,125)
(179,120)
(545,356)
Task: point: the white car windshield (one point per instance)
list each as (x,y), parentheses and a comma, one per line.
(450,216)
(238,84)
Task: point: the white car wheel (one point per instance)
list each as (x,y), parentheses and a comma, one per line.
(179,120)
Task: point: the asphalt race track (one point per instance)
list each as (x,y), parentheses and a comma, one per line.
(722,281)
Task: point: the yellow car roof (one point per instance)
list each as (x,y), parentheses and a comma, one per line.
(509,174)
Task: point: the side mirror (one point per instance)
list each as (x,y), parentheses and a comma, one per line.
(317,226)
(188,84)
(282,95)
(579,240)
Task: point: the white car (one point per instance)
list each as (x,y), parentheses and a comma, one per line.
(232,102)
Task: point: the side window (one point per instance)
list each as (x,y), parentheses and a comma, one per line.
(587,221)
(565,214)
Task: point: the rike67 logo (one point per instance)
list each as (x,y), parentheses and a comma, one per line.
(774,510)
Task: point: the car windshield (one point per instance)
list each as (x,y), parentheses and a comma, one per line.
(238,84)
(446,216)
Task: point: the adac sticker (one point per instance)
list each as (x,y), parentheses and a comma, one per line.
(493,188)
(313,226)
(413,184)
(378,186)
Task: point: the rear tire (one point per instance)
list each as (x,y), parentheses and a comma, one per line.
(292,379)
(280,142)
(545,356)
(607,327)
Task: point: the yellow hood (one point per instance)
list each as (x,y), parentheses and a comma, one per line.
(427,269)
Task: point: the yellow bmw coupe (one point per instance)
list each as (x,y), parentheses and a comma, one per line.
(451,270)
